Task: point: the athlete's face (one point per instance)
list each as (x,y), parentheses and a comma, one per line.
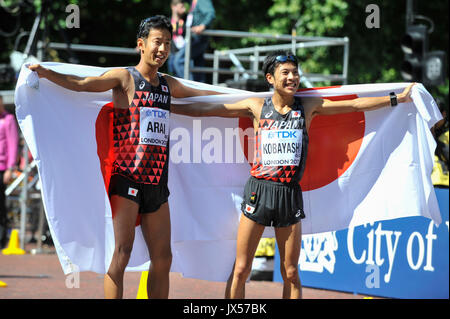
(285,79)
(155,50)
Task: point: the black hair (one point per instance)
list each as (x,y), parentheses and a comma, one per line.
(155,22)
(271,62)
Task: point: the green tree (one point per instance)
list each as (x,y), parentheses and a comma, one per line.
(311,18)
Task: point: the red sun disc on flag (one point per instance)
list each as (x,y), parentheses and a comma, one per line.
(334,143)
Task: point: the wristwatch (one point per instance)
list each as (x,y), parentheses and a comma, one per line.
(393,97)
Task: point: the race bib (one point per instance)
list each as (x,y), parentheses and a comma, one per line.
(154,126)
(281,147)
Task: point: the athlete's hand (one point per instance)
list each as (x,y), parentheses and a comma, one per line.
(39,69)
(405,96)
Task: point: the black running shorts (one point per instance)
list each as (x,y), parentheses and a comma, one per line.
(149,197)
(271,203)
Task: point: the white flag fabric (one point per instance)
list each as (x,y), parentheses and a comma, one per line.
(362,167)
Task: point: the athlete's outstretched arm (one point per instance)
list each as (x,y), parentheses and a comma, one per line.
(240,109)
(109,80)
(179,90)
(324,106)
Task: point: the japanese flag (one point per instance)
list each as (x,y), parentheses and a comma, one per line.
(361,167)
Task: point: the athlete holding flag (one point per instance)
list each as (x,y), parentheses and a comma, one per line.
(272,195)
(142,106)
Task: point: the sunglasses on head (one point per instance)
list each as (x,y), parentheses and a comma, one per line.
(284,58)
(148,20)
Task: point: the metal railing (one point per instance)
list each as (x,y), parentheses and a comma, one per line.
(252,54)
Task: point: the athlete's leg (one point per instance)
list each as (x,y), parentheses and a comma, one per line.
(289,243)
(249,234)
(125,213)
(229,282)
(156,231)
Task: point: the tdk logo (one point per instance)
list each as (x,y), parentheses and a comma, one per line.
(156,113)
(282,134)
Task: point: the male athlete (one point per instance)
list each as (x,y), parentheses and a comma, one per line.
(137,189)
(272,195)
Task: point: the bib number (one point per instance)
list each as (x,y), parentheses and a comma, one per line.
(281,147)
(154,126)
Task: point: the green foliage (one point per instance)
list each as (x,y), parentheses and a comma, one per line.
(318,18)
(314,17)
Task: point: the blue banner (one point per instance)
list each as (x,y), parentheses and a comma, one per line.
(402,258)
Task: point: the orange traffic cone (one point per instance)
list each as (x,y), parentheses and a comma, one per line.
(13,245)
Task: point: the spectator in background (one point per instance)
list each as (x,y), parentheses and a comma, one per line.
(178,20)
(440,174)
(9,140)
(200,17)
